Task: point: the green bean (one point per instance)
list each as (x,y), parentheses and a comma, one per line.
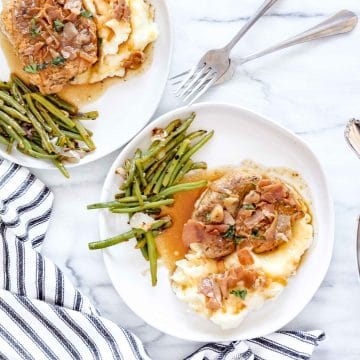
(174,163)
(196,147)
(54,127)
(103,205)
(36,147)
(166,159)
(91,115)
(48,146)
(155,178)
(63,104)
(15,92)
(11,133)
(112,205)
(161,155)
(137,191)
(130,199)
(114,240)
(4,140)
(161,223)
(11,122)
(53,109)
(153,211)
(153,256)
(84,134)
(179,188)
(61,167)
(72,135)
(188,166)
(10,146)
(140,172)
(144,252)
(14,113)
(183,127)
(12,102)
(173,125)
(199,165)
(20,84)
(4,85)
(159,182)
(120,196)
(196,134)
(140,244)
(36,113)
(149,205)
(131,171)
(38,155)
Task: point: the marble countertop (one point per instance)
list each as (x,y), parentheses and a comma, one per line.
(312,89)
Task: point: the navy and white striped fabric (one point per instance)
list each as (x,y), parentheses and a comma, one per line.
(42,315)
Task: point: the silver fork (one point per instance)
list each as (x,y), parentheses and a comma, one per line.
(342,22)
(213,64)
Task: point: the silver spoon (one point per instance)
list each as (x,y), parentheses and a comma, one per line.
(342,22)
(358,246)
(352,135)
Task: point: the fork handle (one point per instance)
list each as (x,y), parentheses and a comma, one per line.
(253,19)
(342,22)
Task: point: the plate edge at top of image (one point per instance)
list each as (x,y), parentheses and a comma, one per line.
(326,207)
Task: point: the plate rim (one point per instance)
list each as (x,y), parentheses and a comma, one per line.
(327,193)
(43,165)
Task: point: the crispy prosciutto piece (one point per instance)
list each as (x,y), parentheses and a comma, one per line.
(217,287)
(211,238)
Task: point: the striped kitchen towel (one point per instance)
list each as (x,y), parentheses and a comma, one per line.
(42,315)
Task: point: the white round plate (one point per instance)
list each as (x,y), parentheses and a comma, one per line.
(125,107)
(239,134)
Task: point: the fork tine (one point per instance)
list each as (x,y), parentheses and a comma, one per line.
(199,85)
(203,90)
(193,81)
(187,78)
(179,75)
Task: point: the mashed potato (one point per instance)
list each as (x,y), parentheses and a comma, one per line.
(122,37)
(275,267)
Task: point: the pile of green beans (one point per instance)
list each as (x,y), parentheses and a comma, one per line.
(35,123)
(150,179)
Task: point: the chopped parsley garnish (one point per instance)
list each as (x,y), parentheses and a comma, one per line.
(42,66)
(255,232)
(230,234)
(35,30)
(59,60)
(58,25)
(31,68)
(239,293)
(239,239)
(86,14)
(34,68)
(249,207)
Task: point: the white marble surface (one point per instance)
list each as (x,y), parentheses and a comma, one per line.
(312,90)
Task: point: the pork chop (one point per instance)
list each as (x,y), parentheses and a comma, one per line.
(54,39)
(250,211)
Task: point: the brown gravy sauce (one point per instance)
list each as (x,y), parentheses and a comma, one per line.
(169,243)
(76,94)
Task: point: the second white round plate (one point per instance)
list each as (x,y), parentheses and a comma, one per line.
(125,107)
(239,134)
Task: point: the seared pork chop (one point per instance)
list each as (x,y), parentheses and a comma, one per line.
(250,211)
(54,39)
